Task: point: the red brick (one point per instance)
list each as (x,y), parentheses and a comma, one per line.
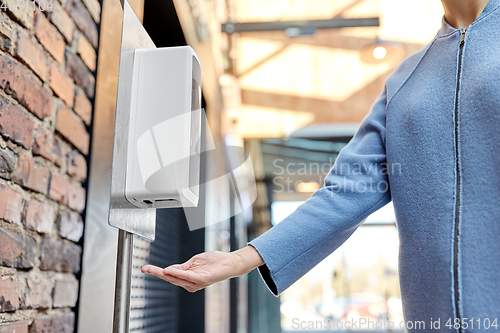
(8,161)
(31,175)
(87,53)
(62,85)
(15,327)
(24,87)
(58,189)
(83,20)
(62,21)
(65,293)
(73,129)
(70,225)
(94,8)
(9,300)
(32,54)
(80,73)
(10,205)
(48,146)
(49,37)
(5,42)
(39,216)
(5,33)
(15,124)
(65,192)
(23,15)
(58,323)
(83,107)
(37,294)
(76,197)
(60,257)
(16,250)
(77,166)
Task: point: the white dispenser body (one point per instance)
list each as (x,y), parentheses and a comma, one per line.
(163,159)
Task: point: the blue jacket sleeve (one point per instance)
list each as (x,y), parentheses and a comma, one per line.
(356,186)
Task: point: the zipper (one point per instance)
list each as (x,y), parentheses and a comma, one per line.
(458,184)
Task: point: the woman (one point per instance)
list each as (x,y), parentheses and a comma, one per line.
(430,144)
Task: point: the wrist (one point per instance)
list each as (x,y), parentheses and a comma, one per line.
(247,259)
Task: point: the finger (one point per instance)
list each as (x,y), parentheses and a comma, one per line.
(176,266)
(145,268)
(189,286)
(158,272)
(153,270)
(184,275)
(184,266)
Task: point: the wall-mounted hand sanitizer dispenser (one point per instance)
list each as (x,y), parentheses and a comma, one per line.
(156,144)
(163,157)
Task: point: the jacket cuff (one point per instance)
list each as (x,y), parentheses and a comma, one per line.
(264,271)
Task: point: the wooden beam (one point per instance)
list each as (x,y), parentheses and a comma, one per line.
(335,39)
(353,109)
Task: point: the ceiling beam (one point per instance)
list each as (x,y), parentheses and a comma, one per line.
(261,62)
(352,109)
(326,38)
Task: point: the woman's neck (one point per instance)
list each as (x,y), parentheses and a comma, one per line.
(461,13)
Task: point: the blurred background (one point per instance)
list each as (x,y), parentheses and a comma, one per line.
(290,80)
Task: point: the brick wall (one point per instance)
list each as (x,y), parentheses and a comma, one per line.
(47,67)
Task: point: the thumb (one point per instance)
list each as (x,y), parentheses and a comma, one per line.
(182,274)
(173,268)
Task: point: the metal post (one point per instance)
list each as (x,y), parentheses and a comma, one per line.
(123,281)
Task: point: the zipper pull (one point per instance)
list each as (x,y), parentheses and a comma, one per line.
(462,36)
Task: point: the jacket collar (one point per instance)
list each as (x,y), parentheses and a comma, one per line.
(447,29)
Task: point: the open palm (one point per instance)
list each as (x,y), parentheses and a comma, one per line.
(200,271)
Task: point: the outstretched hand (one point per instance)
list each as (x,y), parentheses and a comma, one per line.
(207,268)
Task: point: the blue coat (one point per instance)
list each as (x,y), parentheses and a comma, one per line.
(431,145)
